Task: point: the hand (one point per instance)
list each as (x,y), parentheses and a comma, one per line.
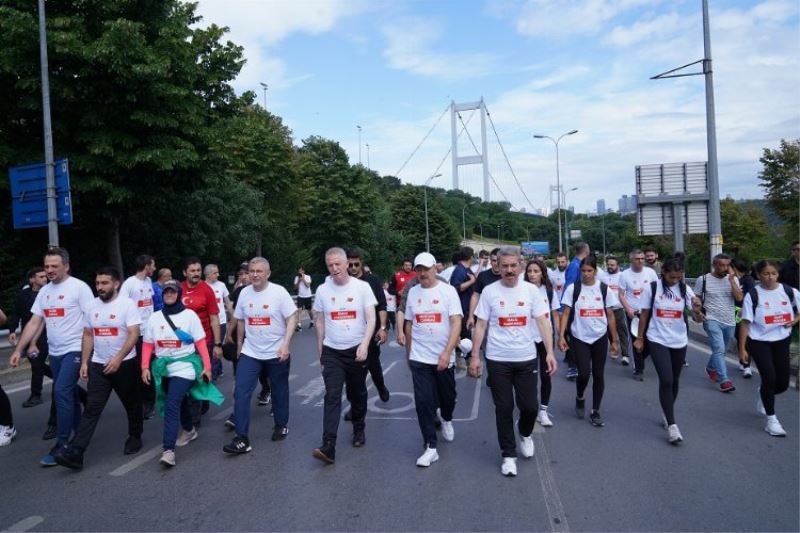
(84,372)
(382,336)
(475,366)
(12,339)
(146,376)
(113,365)
(744,357)
(217,351)
(552,364)
(615,346)
(630,313)
(206,375)
(444,362)
(361,353)
(400,338)
(562,344)
(470,322)
(13,361)
(283,353)
(638,345)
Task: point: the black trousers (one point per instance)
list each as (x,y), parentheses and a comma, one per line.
(591,358)
(432,388)
(39,368)
(544,378)
(126,383)
(6,418)
(509,380)
(772,361)
(668,363)
(340,369)
(638,357)
(374,365)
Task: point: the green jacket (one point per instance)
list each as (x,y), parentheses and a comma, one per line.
(200,389)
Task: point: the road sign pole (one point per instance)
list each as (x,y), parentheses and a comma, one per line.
(714,222)
(49,159)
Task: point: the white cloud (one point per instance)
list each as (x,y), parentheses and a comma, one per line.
(410,43)
(545,18)
(654,28)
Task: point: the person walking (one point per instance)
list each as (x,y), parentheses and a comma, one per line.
(7,431)
(611,278)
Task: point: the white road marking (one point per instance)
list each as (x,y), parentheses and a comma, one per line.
(27,386)
(26,524)
(138,461)
(552,499)
(225,413)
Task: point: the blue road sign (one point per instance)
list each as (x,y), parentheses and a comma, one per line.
(535,247)
(29,195)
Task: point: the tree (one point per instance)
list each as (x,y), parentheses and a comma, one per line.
(780,179)
(408,219)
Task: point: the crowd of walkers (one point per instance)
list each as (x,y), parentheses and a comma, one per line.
(159,344)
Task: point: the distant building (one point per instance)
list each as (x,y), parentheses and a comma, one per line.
(627,204)
(601,207)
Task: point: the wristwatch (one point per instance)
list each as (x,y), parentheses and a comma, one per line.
(217,345)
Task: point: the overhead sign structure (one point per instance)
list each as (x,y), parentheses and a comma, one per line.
(29,194)
(535,247)
(672,199)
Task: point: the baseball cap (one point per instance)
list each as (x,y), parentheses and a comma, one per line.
(424,259)
(172,285)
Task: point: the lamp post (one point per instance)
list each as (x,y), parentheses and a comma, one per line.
(359,144)
(367,145)
(427,228)
(499,234)
(481,226)
(566,224)
(265,86)
(558,177)
(464,221)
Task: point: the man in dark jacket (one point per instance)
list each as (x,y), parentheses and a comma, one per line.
(790,270)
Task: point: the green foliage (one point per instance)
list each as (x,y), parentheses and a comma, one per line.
(780,179)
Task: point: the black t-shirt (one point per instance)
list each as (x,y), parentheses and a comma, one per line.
(487,277)
(377,289)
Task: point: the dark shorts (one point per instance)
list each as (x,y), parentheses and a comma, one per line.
(304,303)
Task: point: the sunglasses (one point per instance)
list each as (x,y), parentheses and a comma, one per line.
(354,265)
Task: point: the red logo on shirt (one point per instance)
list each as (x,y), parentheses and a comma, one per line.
(169,343)
(258,321)
(145,303)
(591,313)
(666,313)
(782,318)
(343,315)
(429,318)
(512,321)
(637,292)
(106,332)
(54,312)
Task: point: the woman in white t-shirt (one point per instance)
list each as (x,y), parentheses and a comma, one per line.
(183,344)
(536,273)
(592,320)
(662,322)
(765,335)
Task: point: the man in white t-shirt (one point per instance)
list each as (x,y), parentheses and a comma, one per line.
(139,288)
(109,363)
(344,308)
(60,306)
(558,275)
(719,291)
(302,284)
(632,283)
(506,311)
(432,329)
(222,295)
(611,278)
(266,316)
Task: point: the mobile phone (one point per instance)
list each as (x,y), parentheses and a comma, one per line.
(205,378)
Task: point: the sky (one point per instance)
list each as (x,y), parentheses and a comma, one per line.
(542,67)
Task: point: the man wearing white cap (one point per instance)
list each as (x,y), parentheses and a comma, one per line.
(504,313)
(432,326)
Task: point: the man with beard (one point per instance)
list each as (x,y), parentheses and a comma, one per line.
(558,275)
(108,362)
(398,282)
(611,278)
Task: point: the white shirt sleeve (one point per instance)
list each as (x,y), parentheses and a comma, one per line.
(566,299)
(747,308)
(132,316)
(288,308)
(539,305)
(483,310)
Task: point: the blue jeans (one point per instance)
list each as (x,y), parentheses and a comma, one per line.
(216,364)
(176,409)
(719,335)
(247,372)
(65,390)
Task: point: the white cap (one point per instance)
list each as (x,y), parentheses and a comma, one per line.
(424,259)
(465,345)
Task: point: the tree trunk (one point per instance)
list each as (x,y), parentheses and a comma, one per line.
(114,248)
(259,238)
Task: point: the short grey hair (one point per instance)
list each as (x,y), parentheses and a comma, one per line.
(336,251)
(506,251)
(208,268)
(258,259)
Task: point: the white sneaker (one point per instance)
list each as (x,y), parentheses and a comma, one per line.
(674,434)
(774,427)
(7,434)
(526,446)
(544,419)
(429,457)
(625,361)
(747,373)
(167,458)
(448,432)
(186,437)
(759,404)
(509,466)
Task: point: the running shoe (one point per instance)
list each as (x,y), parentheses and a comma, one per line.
(50,432)
(625,361)
(49,459)
(572,374)
(279,433)
(509,466)
(186,437)
(596,419)
(230,423)
(264,398)
(167,458)
(238,446)
(7,434)
(727,386)
(713,375)
(675,436)
(747,373)
(33,400)
(326,453)
(638,375)
(69,457)
(132,445)
(544,418)
(429,457)
(526,446)
(359,439)
(448,432)
(774,427)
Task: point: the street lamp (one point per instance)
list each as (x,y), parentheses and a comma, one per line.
(464,221)
(566,224)
(499,227)
(558,177)
(425,192)
(359,144)
(481,226)
(265,86)
(367,145)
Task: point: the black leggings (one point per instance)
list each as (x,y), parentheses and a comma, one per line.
(6,418)
(591,357)
(544,377)
(772,361)
(668,363)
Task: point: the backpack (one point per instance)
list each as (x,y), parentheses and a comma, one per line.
(576,291)
(786,288)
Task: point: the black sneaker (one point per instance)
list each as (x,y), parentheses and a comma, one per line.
(238,446)
(279,432)
(384,394)
(596,419)
(133,444)
(70,457)
(50,432)
(348,415)
(32,401)
(579,407)
(325,453)
(638,375)
(359,439)
(149,410)
(264,398)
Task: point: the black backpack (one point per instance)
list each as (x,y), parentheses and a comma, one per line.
(786,288)
(576,292)
(653,287)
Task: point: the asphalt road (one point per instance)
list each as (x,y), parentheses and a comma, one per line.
(727,475)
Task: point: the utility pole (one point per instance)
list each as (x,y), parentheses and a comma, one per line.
(49,158)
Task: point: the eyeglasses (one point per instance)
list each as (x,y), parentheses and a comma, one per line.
(354,265)
(638,258)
